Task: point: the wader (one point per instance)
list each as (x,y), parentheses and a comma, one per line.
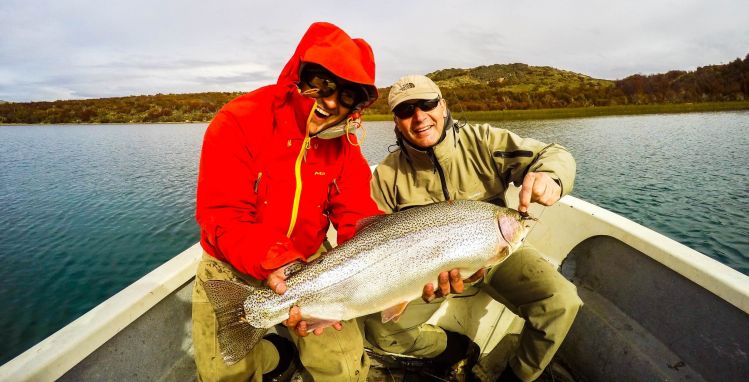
(525,283)
(332,356)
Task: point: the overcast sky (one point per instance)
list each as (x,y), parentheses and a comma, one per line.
(72,49)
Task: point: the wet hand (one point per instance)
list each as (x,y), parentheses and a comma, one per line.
(449,282)
(277,279)
(277,282)
(538,187)
(296,324)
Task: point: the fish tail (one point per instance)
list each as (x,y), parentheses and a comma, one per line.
(236,337)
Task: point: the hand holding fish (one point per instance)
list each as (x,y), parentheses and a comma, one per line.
(295,323)
(380,269)
(277,282)
(538,187)
(449,282)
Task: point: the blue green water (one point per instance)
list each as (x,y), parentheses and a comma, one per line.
(87,210)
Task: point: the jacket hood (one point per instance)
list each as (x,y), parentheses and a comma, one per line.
(327,45)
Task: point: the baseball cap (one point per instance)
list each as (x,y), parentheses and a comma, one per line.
(412,87)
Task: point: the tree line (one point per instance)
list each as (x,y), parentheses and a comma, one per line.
(194,107)
(493,87)
(521,87)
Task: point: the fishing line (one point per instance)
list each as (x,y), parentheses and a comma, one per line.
(534,224)
(522,258)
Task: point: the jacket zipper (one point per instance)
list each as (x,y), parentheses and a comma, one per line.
(257,181)
(443,181)
(298,173)
(298,190)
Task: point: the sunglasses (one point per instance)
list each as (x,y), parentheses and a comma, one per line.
(349,95)
(407,109)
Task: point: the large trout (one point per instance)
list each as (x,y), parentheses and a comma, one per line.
(383,267)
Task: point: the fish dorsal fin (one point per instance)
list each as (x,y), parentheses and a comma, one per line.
(393,313)
(369,220)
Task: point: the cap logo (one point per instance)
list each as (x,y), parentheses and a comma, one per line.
(407,86)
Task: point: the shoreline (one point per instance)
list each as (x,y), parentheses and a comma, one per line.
(586,112)
(509,115)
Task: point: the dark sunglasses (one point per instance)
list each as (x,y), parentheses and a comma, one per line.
(407,109)
(349,95)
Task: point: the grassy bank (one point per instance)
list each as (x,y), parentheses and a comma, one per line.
(582,112)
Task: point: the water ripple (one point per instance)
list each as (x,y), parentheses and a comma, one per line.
(86,210)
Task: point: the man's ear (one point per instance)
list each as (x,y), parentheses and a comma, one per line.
(444,107)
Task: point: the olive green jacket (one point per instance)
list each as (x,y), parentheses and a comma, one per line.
(475,162)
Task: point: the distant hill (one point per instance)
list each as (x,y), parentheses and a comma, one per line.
(520,87)
(517,78)
(494,87)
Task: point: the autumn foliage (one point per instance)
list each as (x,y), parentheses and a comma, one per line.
(493,87)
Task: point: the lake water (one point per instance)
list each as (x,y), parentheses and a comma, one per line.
(87,210)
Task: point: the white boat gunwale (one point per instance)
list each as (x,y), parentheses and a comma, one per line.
(53,357)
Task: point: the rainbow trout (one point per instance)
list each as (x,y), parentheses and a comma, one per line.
(383,267)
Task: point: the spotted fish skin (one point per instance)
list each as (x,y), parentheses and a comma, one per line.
(385,264)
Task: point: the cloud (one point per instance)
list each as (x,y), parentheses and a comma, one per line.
(85,48)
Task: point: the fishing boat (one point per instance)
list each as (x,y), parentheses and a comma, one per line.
(655,310)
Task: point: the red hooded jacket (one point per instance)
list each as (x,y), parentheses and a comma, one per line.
(247,183)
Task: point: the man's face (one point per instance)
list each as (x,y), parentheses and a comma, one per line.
(328,112)
(424,128)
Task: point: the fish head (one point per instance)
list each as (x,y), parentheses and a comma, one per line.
(513,228)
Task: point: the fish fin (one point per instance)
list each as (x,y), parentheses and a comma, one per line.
(393,313)
(314,323)
(236,337)
(365,222)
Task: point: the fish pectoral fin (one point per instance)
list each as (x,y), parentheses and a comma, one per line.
(393,313)
(315,323)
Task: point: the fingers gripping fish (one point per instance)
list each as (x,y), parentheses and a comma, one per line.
(382,268)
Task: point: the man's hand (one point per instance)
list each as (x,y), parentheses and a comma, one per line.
(277,279)
(277,282)
(538,187)
(449,282)
(296,323)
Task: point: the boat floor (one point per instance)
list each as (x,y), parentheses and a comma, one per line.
(389,368)
(489,368)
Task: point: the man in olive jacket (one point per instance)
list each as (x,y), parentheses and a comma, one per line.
(439,160)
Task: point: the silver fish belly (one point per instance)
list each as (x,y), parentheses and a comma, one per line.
(385,264)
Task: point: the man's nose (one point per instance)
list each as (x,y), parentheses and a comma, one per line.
(330,102)
(419,114)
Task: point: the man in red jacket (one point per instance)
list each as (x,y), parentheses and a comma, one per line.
(278,165)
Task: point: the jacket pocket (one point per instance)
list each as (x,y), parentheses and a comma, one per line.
(513,154)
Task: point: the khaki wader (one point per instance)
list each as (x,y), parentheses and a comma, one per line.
(526,284)
(332,356)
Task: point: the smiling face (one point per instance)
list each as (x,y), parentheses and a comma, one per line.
(328,111)
(424,128)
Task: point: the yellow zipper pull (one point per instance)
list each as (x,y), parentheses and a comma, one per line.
(257,181)
(305,147)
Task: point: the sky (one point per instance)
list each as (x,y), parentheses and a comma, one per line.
(77,49)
